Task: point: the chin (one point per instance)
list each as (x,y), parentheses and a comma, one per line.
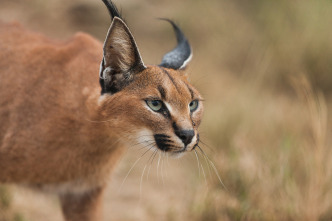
(179,153)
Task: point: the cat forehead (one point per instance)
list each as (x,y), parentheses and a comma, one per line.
(169,84)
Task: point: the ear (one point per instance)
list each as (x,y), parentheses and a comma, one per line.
(179,57)
(121,58)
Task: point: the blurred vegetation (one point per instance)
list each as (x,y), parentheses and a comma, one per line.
(265,69)
(6,211)
(296,38)
(274,158)
(273,148)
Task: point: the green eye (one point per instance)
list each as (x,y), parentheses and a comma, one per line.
(193,105)
(155,105)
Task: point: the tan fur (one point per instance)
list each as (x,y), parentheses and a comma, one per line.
(57,133)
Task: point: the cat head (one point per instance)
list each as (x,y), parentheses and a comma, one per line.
(154,105)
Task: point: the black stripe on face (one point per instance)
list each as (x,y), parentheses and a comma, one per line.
(190,90)
(162,92)
(163,142)
(171,78)
(175,127)
(165,112)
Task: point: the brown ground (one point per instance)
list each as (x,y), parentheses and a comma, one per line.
(159,200)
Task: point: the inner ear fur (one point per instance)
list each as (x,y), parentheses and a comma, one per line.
(121,58)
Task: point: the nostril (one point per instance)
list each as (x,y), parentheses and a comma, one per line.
(186,136)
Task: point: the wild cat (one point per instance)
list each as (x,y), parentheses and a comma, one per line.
(63,129)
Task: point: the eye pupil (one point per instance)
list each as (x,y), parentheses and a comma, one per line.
(193,105)
(155,105)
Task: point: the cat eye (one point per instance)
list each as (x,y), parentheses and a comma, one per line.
(155,105)
(193,105)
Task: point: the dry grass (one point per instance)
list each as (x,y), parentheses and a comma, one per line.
(274,158)
(270,127)
(265,70)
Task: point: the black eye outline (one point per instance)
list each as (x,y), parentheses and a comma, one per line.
(193,105)
(155,105)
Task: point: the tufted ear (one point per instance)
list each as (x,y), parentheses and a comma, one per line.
(121,58)
(179,57)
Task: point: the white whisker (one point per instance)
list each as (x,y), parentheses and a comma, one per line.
(204,174)
(201,165)
(158,166)
(167,164)
(140,186)
(199,169)
(131,169)
(152,156)
(161,168)
(214,168)
(208,165)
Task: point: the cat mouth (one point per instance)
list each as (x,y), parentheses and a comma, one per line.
(180,151)
(165,144)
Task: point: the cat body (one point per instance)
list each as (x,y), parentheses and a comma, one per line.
(63,128)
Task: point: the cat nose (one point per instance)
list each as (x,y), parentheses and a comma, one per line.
(185,135)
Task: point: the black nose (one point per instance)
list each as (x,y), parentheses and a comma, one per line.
(185,135)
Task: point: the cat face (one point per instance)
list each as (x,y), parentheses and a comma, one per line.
(154,105)
(159,109)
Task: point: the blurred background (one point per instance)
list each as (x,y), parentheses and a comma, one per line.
(265,70)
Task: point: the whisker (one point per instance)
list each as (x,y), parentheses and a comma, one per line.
(152,155)
(204,174)
(199,169)
(208,146)
(132,168)
(161,168)
(158,167)
(208,165)
(147,146)
(140,185)
(167,164)
(200,165)
(141,142)
(214,167)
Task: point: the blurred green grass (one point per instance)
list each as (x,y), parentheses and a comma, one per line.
(265,70)
(6,211)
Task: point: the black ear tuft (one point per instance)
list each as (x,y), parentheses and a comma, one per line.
(181,54)
(112,9)
(121,58)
